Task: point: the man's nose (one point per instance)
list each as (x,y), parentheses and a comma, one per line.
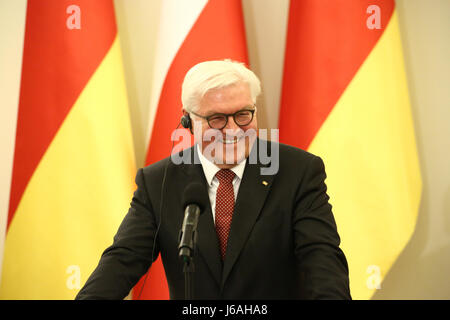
(231,125)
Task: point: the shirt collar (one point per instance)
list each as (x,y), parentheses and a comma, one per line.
(210,169)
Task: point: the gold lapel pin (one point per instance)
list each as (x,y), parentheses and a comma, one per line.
(265,183)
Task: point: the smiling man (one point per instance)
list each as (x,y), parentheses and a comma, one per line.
(222,108)
(259,236)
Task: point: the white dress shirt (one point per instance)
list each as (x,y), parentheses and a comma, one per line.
(210,170)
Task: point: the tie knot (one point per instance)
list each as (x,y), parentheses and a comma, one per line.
(225,176)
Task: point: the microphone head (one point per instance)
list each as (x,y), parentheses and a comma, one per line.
(194,194)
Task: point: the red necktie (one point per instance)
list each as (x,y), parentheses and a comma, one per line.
(224,207)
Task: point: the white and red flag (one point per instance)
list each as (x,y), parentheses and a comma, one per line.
(190,32)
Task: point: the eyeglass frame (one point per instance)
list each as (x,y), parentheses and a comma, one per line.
(227,115)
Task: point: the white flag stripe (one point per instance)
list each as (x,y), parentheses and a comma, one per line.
(177,19)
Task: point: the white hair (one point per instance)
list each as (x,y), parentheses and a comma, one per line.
(209,75)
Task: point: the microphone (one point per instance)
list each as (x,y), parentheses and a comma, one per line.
(193,207)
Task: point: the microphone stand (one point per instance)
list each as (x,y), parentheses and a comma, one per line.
(188,270)
(186,248)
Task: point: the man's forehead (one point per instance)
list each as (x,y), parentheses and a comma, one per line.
(226,100)
(227,90)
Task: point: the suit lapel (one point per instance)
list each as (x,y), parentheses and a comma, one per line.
(207,241)
(252,194)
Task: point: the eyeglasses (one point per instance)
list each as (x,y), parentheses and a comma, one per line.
(219,120)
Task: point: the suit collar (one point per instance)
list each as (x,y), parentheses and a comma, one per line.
(210,169)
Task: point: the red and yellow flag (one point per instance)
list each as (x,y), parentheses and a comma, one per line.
(74,162)
(190,32)
(345,98)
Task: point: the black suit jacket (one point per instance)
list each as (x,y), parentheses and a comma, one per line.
(283,241)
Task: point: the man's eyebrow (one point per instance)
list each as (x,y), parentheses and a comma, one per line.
(249,107)
(213,113)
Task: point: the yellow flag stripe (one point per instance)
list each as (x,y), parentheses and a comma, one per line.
(369,149)
(77,196)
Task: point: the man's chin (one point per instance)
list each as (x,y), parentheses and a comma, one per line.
(227,155)
(233,160)
(227,159)
(225,162)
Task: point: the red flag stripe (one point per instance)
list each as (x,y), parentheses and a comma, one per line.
(57,63)
(324,50)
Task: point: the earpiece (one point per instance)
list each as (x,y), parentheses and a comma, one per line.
(186,122)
